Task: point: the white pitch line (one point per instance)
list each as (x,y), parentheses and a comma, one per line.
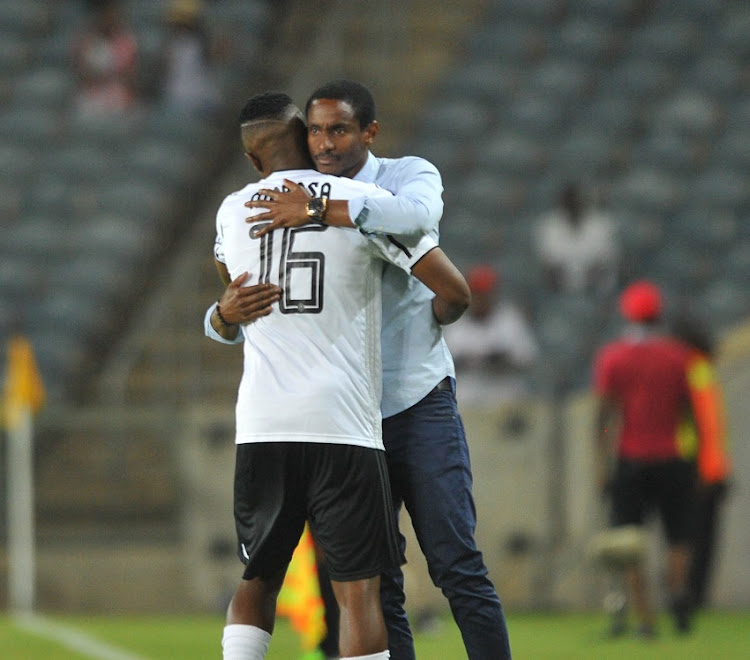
(73,639)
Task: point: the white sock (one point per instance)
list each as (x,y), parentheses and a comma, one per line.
(242,642)
(383,655)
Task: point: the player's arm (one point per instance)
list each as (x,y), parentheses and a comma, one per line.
(452,294)
(238,304)
(415,207)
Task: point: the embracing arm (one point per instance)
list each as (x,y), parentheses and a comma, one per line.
(238,304)
(415,207)
(452,294)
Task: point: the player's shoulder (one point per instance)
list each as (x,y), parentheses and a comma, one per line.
(613,350)
(404,163)
(243,193)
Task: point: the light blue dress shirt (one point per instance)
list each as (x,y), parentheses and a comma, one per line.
(415,355)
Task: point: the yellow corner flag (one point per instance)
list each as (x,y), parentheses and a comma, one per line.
(23,383)
(300,599)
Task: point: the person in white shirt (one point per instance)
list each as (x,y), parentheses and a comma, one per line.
(309,440)
(577,246)
(493,345)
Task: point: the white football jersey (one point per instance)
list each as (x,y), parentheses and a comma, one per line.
(312,370)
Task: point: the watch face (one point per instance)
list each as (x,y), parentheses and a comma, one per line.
(315,207)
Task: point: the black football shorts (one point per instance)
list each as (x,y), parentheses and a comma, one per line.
(668,487)
(341,490)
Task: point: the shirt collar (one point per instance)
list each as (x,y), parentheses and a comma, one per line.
(369,170)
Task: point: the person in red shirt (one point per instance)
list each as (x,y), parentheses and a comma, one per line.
(643,400)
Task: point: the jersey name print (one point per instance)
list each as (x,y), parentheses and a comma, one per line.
(318,353)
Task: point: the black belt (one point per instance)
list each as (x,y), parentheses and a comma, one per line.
(444,385)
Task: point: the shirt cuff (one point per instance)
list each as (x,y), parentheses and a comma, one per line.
(211,333)
(357,211)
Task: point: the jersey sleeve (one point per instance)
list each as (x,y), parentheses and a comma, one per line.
(402,251)
(219,240)
(208,329)
(415,207)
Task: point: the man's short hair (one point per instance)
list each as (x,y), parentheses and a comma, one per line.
(268,105)
(351,92)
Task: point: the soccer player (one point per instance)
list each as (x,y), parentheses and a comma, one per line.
(426,448)
(309,445)
(644,399)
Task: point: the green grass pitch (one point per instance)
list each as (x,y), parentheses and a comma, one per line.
(717,635)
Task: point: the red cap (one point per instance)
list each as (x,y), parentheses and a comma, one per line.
(641,301)
(482,279)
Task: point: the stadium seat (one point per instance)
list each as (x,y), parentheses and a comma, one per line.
(15,53)
(723,303)
(587,150)
(112,235)
(529,11)
(733,29)
(507,41)
(715,228)
(688,111)
(31,126)
(17,162)
(732,149)
(670,39)
(47,86)
(488,81)
(534,114)
(718,75)
(559,78)
(139,200)
(721,187)
(31,239)
(615,12)
(457,118)
(158,160)
(638,76)
(669,150)
(509,152)
(77,163)
(24,18)
(583,39)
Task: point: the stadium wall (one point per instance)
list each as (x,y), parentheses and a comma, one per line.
(134,506)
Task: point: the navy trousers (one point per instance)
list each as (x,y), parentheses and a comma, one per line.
(430,474)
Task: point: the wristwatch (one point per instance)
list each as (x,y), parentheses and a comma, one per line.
(316,208)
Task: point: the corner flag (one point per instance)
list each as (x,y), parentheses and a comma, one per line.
(23,396)
(300,599)
(23,384)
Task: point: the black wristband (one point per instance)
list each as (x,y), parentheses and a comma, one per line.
(221,316)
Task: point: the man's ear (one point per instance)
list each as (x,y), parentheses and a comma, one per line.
(371,132)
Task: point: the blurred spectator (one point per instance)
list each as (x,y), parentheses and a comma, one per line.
(641,382)
(713,460)
(105,60)
(577,245)
(493,346)
(189,77)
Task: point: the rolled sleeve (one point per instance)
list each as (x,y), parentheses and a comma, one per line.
(415,208)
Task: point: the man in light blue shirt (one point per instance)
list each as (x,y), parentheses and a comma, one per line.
(426,449)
